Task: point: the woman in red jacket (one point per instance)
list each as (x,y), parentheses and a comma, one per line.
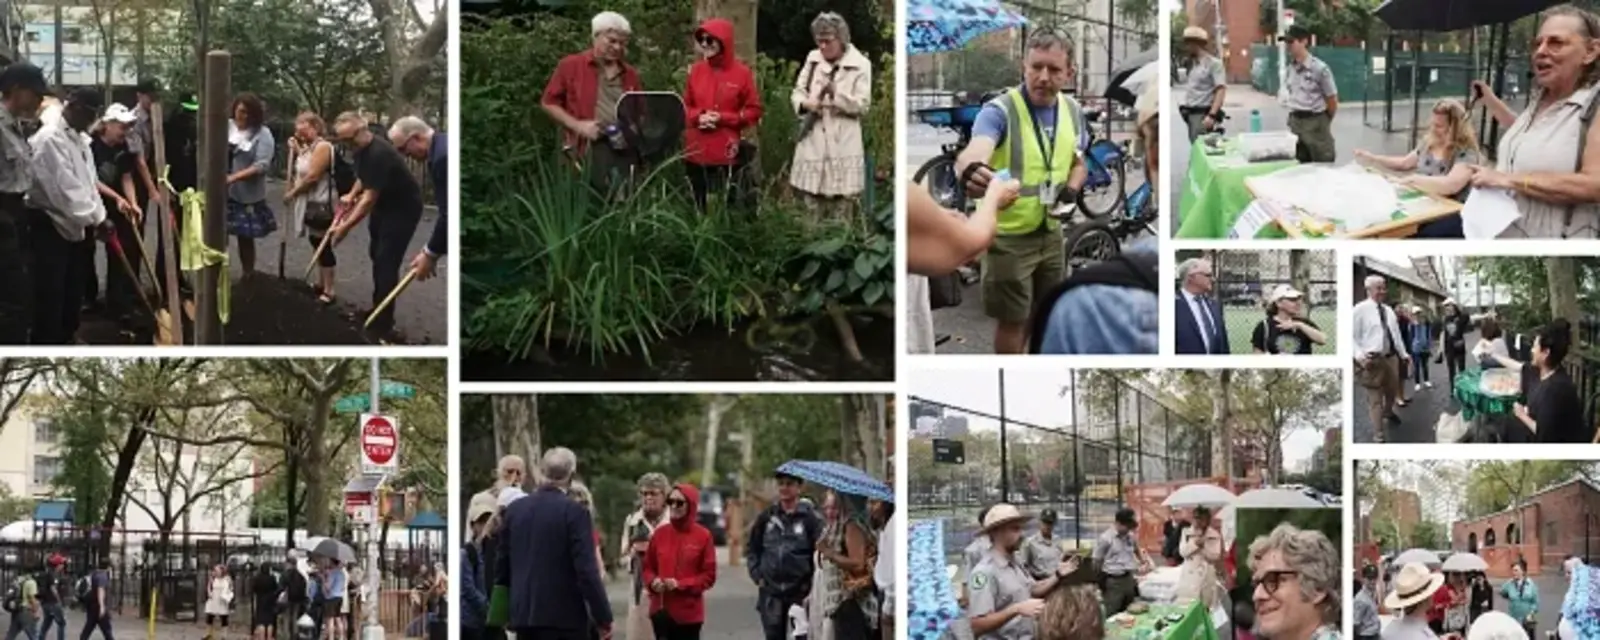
(721,100)
(680,565)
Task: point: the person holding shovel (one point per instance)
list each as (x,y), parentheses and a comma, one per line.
(311,195)
(117,164)
(22,86)
(416,139)
(64,206)
(251,149)
(385,190)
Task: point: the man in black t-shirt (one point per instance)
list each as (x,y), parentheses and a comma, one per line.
(117,165)
(385,190)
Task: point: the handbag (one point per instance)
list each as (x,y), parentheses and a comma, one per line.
(320,215)
(944,291)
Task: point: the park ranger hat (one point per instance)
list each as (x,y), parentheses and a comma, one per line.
(1295,33)
(1196,33)
(1001,515)
(1414,584)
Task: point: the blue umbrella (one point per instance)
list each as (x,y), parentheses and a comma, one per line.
(839,477)
(933,26)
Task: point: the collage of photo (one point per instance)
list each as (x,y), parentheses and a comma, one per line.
(800,320)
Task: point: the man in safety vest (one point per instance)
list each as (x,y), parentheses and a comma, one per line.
(1036,134)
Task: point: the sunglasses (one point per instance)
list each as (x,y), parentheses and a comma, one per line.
(1272,580)
(707,41)
(675,502)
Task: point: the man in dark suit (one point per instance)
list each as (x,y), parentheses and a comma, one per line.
(1200,328)
(556,592)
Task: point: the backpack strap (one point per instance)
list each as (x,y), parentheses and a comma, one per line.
(1137,271)
(1585,121)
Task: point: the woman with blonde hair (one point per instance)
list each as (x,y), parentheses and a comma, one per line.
(1071,613)
(1443,163)
(311,195)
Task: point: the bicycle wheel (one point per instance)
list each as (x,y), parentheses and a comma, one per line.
(1102,200)
(1089,243)
(939,176)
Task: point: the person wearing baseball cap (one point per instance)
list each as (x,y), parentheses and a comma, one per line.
(779,555)
(117,165)
(22,87)
(1206,86)
(1003,598)
(64,206)
(1118,560)
(1414,587)
(1286,330)
(1042,552)
(1312,98)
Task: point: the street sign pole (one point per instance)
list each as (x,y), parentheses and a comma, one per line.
(373,629)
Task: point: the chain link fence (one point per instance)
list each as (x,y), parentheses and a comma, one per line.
(1119,442)
(1244,280)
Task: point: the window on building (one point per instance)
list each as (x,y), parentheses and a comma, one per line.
(72,35)
(1511,534)
(45,469)
(45,431)
(1488,538)
(1549,536)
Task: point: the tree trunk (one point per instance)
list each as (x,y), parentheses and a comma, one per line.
(715,410)
(1562,272)
(742,13)
(410,66)
(1222,417)
(860,419)
(516,430)
(1300,270)
(317,465)
(292,458)
(126,458)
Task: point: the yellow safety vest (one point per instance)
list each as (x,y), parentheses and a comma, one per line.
(1022,149)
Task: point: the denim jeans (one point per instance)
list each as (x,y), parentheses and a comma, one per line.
(53,612)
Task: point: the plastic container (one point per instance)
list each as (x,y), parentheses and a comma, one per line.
(1255,121)
(1002,175)
(1269,146)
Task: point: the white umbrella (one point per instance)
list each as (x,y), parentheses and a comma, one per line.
(1421,556)
(1465,563)
(1198,495)
(1264,499)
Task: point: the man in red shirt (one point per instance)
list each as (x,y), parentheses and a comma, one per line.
(583,92)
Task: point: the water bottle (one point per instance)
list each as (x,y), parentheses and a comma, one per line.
(1255,121)
(1002,175)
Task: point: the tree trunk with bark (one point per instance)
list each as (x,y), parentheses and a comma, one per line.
(860,420)
(1222,419)
(516,430)
(410,64)
(127,456)
(1562,272)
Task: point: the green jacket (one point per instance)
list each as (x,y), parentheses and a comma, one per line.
(1523,598)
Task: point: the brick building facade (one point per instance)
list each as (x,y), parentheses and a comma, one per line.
(1550,525)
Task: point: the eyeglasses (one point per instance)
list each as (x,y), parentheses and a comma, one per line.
(650,493)
(1272,580)
(676,502)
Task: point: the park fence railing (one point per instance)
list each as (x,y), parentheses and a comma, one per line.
(1085,469)
(1244,279)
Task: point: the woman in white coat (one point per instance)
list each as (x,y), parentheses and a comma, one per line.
(219,600)
(831,96)
(1201,549)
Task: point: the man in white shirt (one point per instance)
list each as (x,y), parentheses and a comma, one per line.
(66,209)
(1380,353)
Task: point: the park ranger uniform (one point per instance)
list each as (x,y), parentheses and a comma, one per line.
(1039,556)
(975,552)
(1309,85)
(1199,88)
(1119,561)
(997,583)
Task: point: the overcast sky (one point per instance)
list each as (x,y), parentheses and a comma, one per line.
(1035,397)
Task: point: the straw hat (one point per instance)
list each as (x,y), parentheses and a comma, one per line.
(1414,584)
(1001,515)
(1196,33)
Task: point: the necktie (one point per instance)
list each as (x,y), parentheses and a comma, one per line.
(1205,319)
(1388,336)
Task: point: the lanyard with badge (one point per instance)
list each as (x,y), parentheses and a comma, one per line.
(1049,190)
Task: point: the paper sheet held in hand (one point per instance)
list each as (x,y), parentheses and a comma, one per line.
(1487,213)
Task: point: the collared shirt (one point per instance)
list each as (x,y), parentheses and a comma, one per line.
(1367,328)
(1040,557)
(997,583)
(1202,316)
(975,551)
(1309,85)
(66,188)
(1367,622)
(1116,553)
(16,173)
(141,138)
(1205,77)
(1409,628)
(575,87)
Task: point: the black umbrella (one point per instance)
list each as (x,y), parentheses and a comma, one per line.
(1115,89)
(1454,15)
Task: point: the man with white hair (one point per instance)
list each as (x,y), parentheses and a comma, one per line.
(1380,353)
(583,92)
(414,138)
(636,532)
(550,558)
(1200,328)
(383,185)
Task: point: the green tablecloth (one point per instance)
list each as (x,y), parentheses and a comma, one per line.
(1215,194)
(1474,402)
(1195,625)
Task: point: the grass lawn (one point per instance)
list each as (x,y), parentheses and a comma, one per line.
(1242,322)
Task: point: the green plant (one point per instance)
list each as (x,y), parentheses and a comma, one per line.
(853,266)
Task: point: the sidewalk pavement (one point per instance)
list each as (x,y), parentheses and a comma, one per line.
(1420,418)
(730,604)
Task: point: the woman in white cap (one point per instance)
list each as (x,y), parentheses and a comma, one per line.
(1413,593)
(1286,330)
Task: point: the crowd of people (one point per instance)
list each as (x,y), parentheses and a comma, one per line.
(533,564)
(1031,586)
(1023,167)
(77,171)
(721,104)
(1428,604)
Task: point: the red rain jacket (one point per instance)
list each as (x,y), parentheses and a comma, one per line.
(682,551)
(725,85)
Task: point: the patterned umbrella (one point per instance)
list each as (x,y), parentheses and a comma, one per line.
(932,607)
(1581,608)
(933,26)
(839,477)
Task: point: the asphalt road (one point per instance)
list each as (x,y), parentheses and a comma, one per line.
(420,313)
(969,330)
(1419,419)
(1552,589)
(730,604)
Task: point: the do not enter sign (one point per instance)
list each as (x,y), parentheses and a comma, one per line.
(380,439)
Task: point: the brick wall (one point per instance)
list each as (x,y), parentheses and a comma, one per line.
(1558,523)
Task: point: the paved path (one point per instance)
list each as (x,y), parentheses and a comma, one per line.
(730,605)
(129,627)
(1420,419)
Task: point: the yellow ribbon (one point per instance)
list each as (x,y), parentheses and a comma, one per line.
(195,255)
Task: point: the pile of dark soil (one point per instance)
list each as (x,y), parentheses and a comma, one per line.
(265,311)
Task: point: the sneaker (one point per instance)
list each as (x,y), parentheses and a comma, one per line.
(1418,387)
(1428,384)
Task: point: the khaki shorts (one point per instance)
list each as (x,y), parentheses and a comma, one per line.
(1018,268)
